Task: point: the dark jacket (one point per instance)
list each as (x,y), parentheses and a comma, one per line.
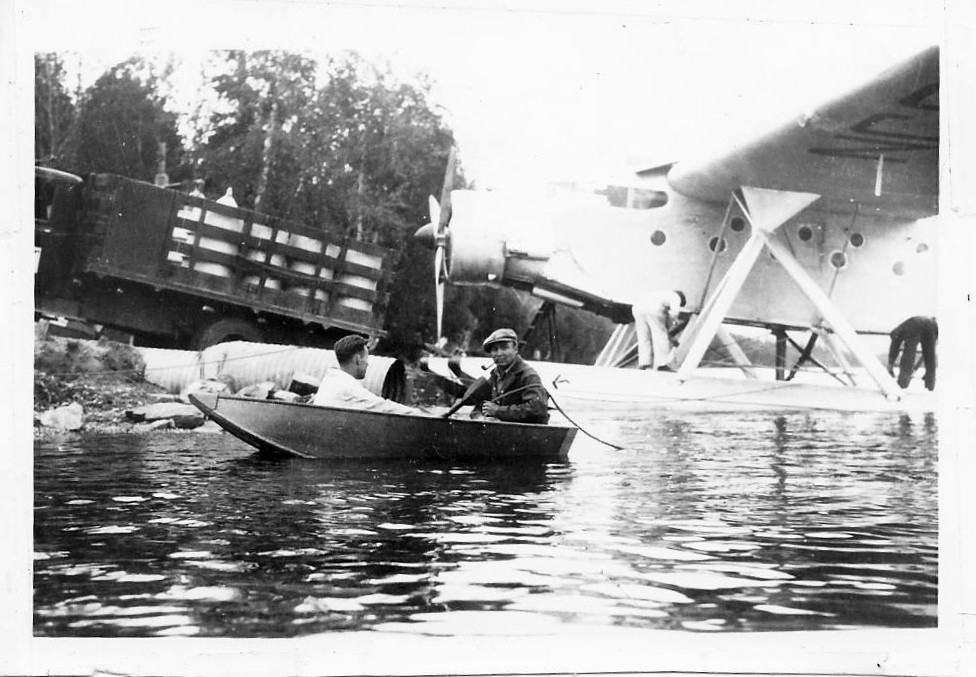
(905,338)
(528,405)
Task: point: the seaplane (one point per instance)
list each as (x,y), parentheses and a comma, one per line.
(820,230)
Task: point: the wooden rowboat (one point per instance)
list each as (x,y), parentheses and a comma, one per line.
(310,431)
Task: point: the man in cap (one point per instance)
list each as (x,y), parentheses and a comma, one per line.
(341,386)
(654,315)
(516,391)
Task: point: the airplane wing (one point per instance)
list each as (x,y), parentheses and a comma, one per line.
(877,145)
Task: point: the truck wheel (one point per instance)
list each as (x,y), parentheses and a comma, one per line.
(223,331)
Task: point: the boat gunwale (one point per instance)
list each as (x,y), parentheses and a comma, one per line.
(421,416)
(249,436)
(266,444)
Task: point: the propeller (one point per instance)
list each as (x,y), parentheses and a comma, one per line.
(435,233)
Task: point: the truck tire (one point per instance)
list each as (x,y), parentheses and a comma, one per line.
(222,331)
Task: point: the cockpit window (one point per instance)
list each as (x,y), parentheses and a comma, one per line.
(634,198)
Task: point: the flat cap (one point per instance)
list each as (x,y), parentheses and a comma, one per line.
(500,335)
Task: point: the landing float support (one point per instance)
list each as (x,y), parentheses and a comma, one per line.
(766,211)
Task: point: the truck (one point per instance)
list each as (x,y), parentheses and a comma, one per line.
(171,269)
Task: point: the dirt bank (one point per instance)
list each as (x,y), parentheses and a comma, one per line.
(104,377)
(107,378)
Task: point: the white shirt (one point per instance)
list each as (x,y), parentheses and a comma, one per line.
(658,303)
(339,389)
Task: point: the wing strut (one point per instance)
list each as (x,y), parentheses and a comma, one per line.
(735,350)
(806,355)
(767,210)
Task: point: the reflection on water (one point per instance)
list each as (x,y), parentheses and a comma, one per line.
(725,522)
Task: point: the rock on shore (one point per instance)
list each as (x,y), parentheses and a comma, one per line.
(99,387)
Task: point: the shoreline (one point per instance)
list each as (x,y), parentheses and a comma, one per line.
(107,379)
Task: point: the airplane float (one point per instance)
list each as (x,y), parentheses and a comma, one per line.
(824,225)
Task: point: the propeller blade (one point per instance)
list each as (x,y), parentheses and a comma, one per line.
(445,206)
(434,209)
(428,233)
(439,288)
(435,233)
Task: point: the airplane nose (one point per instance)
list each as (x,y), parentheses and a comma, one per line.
(427,235)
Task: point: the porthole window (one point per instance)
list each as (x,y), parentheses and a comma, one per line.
(717,242)
(658,238)
(805,233)
(737,224)
(898,268)
(856,239)
(922,248)
(838,260)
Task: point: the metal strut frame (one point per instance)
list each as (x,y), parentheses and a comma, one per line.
(545,314)
(766,211)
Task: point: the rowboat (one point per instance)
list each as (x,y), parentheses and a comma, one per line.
(311,431)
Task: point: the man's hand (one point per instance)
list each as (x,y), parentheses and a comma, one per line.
(891,370)
(490,409)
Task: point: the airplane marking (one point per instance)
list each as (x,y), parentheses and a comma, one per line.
(886,141)
(917,98)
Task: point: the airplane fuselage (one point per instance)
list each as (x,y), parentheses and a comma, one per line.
(878,270)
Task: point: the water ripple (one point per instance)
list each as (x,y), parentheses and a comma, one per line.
(726,523)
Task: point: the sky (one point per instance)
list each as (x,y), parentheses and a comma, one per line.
(538,91)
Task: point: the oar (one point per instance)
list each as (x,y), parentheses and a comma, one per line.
(480,382)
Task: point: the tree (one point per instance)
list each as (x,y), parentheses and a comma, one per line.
(384,149)
(254,140)
(121,123)
(477,311)
(356,155)
(53,109)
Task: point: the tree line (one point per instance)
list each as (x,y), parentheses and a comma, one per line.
(341,144)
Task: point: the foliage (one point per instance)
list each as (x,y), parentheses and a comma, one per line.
(95,374)
(580,335)
(340,144)
(356,155)
(53,109)
(253,135)
(121,122)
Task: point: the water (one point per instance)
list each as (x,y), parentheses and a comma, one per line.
(718,522)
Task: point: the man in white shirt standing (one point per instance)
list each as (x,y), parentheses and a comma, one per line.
(341,386)
(654,315)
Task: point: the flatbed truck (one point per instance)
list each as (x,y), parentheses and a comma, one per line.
(170,269)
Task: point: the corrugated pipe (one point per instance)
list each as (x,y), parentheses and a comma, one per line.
(250,363)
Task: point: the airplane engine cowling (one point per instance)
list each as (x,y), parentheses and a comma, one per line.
(476,249)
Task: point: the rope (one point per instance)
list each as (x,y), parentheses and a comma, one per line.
(579,427)
(189,365)
(560,410)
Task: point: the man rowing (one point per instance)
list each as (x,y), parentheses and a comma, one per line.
(515,391)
